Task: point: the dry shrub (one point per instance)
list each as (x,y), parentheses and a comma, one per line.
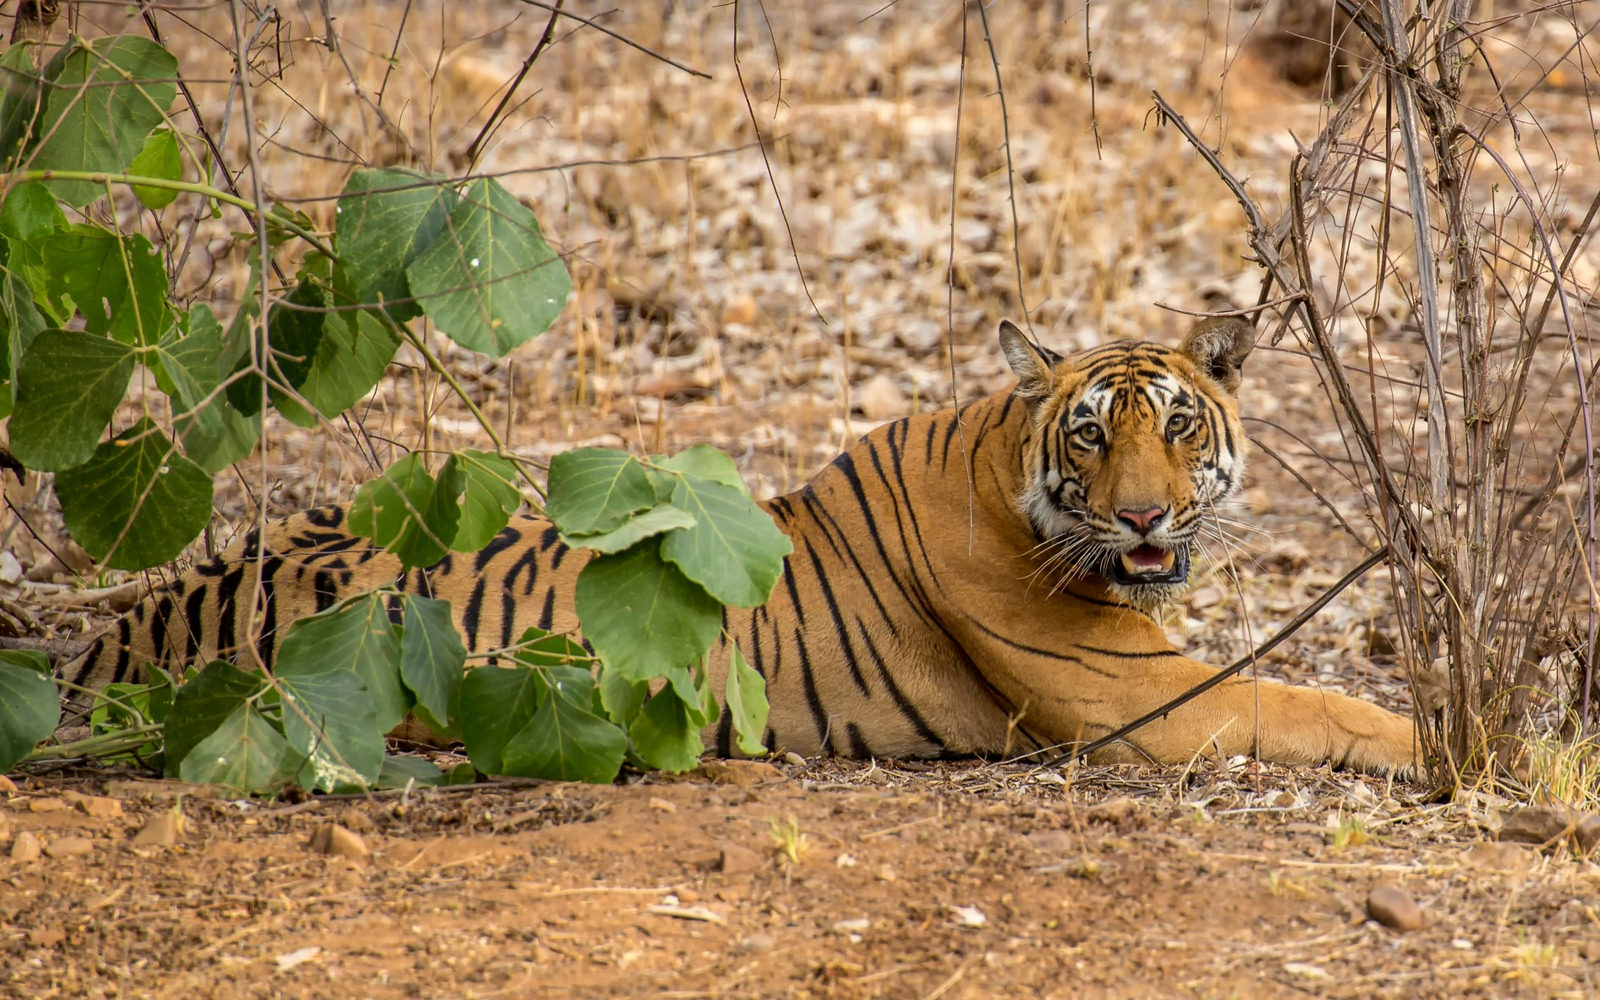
(1441,277)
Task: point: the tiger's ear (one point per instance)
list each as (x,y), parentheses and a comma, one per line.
(1032,365)
(1219,346)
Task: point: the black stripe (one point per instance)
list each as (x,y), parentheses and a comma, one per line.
(158,626)
(840,632)
(471,612)
(194,617)
(899,698)
(227,602)
(269,610)
(503,539)
(1039,651)
(725,733)
(1123,654)
(807,681)
(547,614)
(324,590)
(858,743)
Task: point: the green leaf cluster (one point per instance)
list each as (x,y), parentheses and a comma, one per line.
(86,310)
(675,539)
(85,305)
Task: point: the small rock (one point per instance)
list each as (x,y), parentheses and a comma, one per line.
(25,847)
(7,786)
(662,805)
(46,805)
(968,916)
(742,773)
(845,861)
(881,399)
(99,808)
(736,859)
(354,819)
(1306,970)
(297,957)
(331,838)
(855,925)
(1549,824)
(756,943)
(790,757)
(1394,908)
(1115,810)
(886,873)
(69,847)
(161,830)
(740,309)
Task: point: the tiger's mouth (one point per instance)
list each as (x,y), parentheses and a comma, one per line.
(1146,563)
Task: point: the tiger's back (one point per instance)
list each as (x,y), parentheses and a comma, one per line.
(972,581)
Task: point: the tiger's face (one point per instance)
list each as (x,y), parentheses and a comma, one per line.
(1131,446)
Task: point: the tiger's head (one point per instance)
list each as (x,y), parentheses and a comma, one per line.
(1130,446)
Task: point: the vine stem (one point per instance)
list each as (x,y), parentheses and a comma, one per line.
(189,187)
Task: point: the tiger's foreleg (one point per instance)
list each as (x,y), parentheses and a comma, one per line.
(1276,722)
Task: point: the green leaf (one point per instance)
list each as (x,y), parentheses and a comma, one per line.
(68,386)
(638,527)
(702,461)
(190,368)
(401,770)
(490,498)
(107,95)
(620,697)
(734,550)
(565,739)
(21,99)
(746,695)
(358,637)
(351,357)
(159,159)
(328,716)
(117,283)
(21,322)
(29,705)
(489,280)
(295,324)
(432,657)
(408,512)
(137,502)
(386,219)
(203,703)
(540,649)
(29,213)
(496,702)
(120,706)
(666,734)
(594,490)
(642,616)
(245,752)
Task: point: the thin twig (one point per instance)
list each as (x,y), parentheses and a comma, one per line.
(511,89)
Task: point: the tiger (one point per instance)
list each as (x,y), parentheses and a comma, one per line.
(984,580)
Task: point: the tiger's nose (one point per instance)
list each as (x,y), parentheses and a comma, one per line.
(1142,521)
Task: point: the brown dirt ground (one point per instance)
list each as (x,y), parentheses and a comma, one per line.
(688,323)
(941,880)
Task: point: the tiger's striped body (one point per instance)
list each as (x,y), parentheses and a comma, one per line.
(972,581)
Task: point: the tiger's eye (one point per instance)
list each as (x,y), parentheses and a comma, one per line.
(1089,434)
(1177,424)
